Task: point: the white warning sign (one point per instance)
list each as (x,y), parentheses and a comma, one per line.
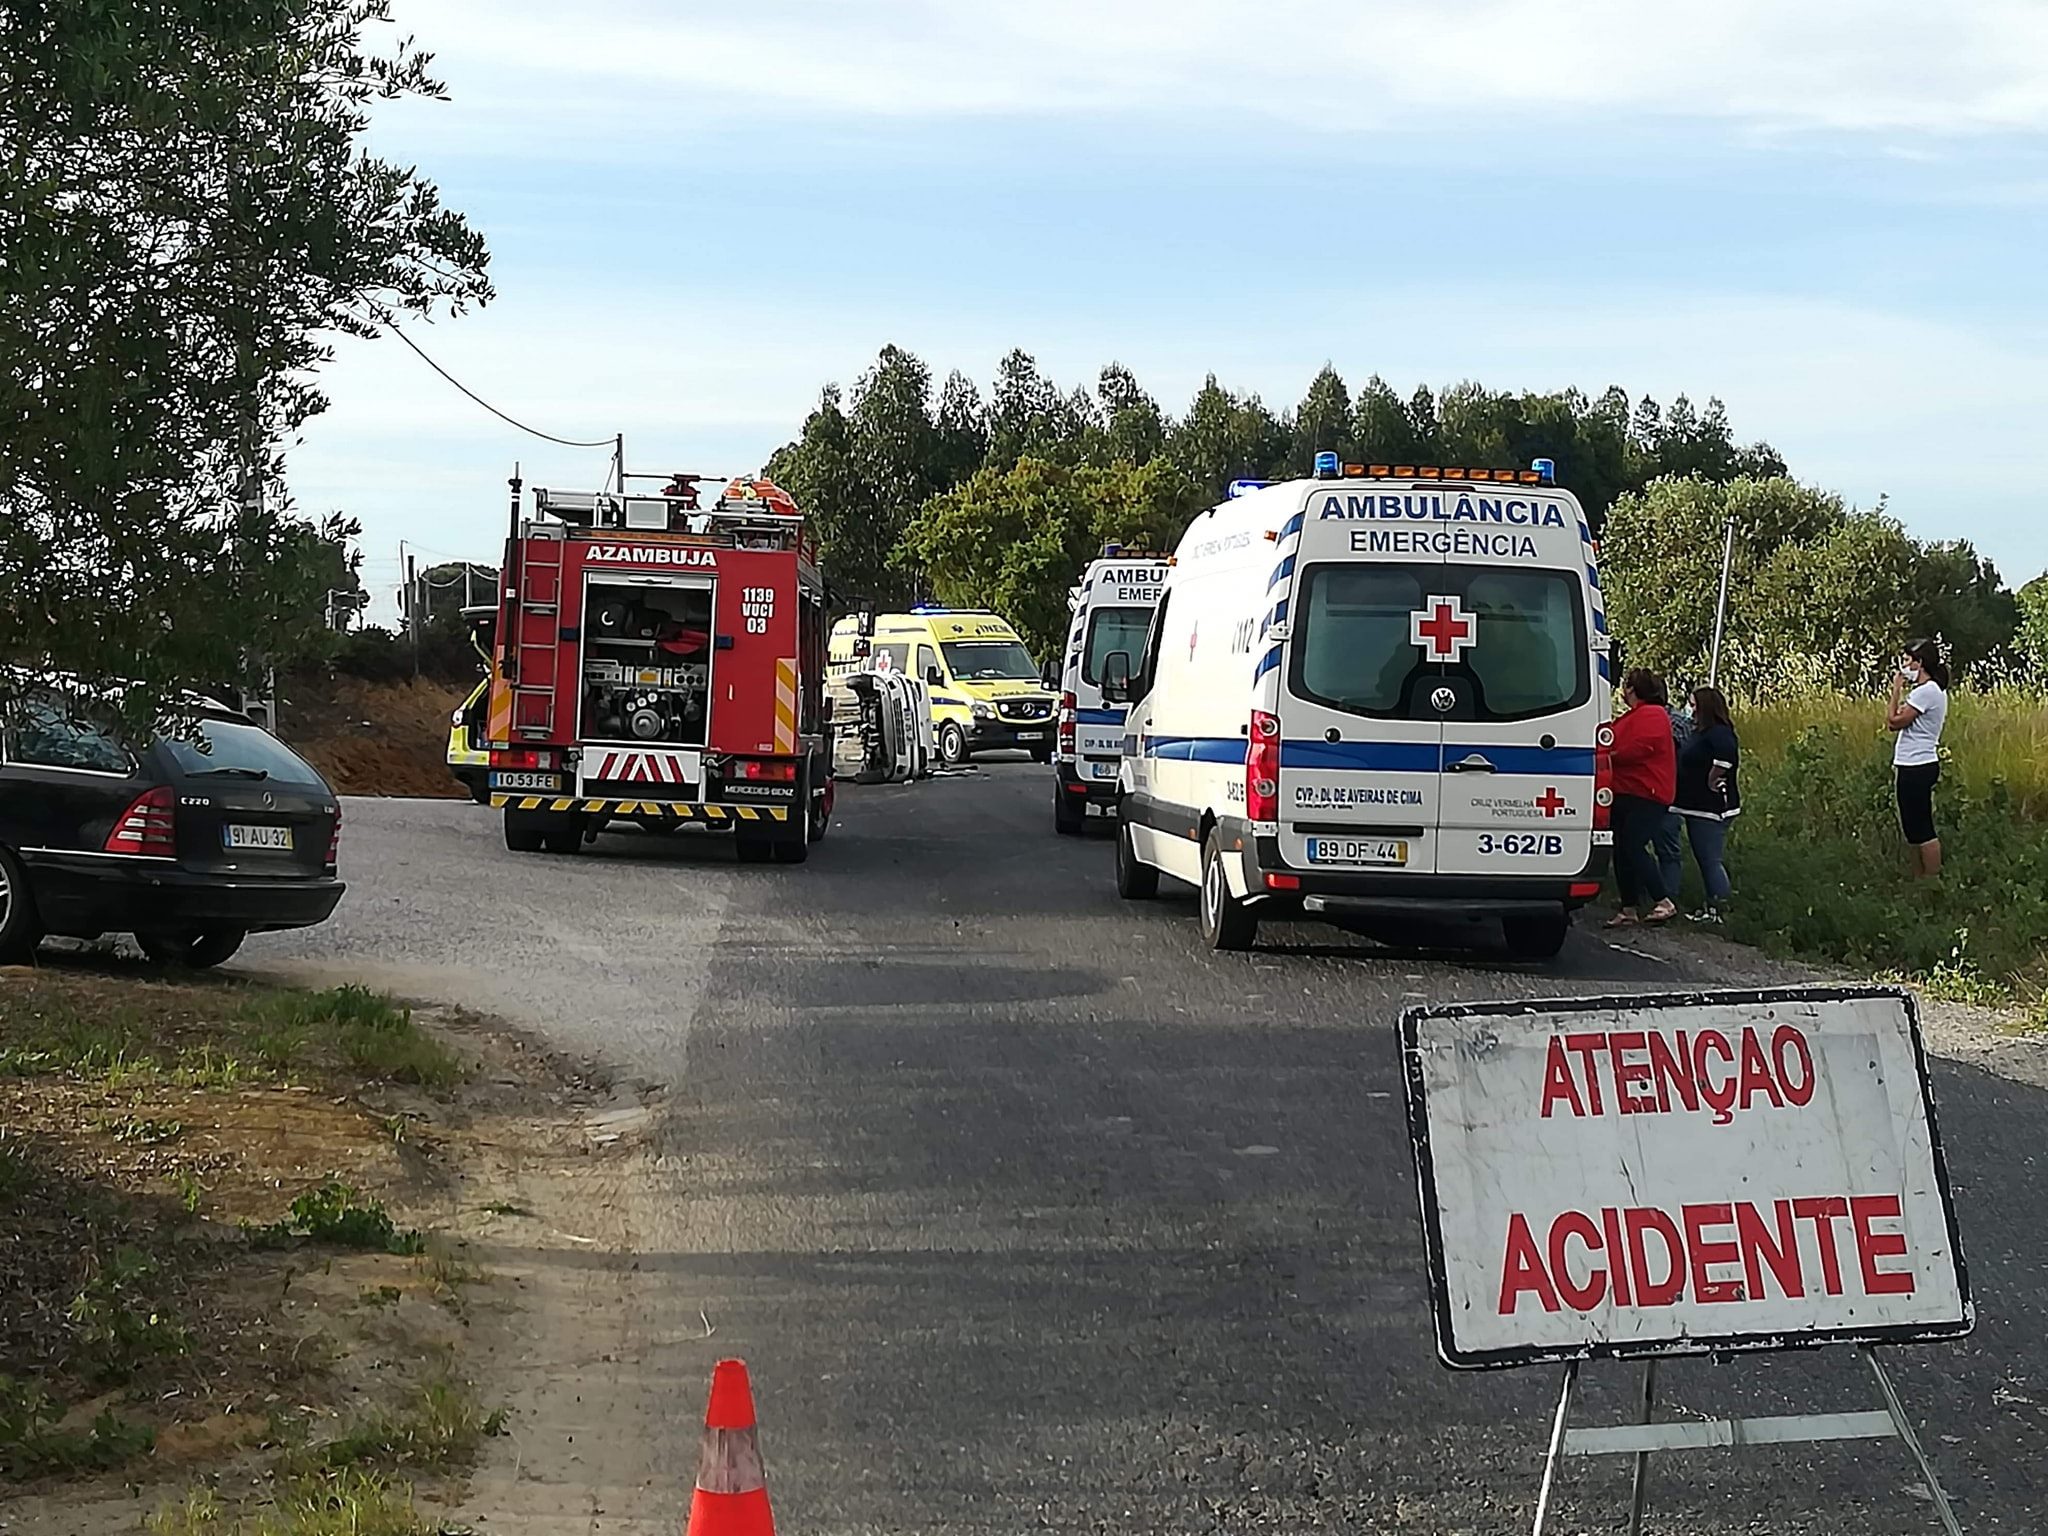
(1676,1174)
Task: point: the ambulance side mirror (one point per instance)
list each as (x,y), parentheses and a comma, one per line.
(934,678)
(1116,677)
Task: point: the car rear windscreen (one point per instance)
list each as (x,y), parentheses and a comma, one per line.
(229,748)
(1111,630)
(1354,648)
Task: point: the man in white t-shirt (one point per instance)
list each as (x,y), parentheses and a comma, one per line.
(1918,709)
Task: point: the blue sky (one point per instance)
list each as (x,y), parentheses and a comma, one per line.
(1831,215)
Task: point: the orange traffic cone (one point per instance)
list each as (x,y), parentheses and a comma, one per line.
(732,1487)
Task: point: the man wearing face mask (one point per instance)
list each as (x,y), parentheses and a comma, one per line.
(1916,713)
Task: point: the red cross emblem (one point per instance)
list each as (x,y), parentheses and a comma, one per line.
(1550,802)
(1442,628)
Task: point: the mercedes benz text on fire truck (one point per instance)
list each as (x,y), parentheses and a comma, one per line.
(661,663)
(1112,610)
(1383,689)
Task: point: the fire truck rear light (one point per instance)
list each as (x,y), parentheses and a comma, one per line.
(522,757)
(767,770)
(149,827)
(1283,882)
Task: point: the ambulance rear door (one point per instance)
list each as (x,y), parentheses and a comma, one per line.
(1361,732)
(1117,601)
(1512,629)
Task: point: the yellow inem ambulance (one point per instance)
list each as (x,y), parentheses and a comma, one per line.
(986,691)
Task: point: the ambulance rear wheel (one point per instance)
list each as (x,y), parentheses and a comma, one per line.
(1536,936)
(1069,812)
(952,745)
(1228,922)
(1134,881)
(525,831)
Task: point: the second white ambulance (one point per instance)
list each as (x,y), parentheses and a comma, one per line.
(1112,610)
(1379,691)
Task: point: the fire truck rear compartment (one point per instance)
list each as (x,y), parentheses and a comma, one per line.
(647,648)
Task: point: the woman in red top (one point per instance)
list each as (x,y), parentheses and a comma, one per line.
(1645,783)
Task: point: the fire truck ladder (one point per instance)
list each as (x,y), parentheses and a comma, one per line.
(536,633)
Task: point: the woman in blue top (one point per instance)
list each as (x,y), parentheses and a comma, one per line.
(1708,795)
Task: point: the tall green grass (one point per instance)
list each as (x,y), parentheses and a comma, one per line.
(1820,867)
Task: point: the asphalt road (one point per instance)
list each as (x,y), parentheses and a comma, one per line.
(1028,1213)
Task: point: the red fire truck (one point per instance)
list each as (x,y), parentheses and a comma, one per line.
(661,662)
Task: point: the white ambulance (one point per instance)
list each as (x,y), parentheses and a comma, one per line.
(1379,691)
(1112,610)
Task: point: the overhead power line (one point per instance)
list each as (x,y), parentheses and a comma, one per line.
(602,442)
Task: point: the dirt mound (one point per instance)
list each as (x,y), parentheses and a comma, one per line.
(374,738)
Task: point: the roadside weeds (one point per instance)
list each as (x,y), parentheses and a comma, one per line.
(223,1257)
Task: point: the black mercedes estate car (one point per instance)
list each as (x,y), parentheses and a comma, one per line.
(208,831)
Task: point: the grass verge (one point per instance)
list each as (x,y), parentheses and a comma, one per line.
(1820,869)
(153,1296)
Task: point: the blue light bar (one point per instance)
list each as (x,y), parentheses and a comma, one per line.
(1327,465)
(1547,468)
(1239,487)
(930,608)
(1111,551)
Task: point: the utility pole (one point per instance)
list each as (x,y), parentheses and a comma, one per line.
(467,570)
(1721,605)
(412,608)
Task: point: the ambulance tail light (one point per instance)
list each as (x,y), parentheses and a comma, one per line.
(1068,721)
(148,828)
(1262,769)
(1603,779)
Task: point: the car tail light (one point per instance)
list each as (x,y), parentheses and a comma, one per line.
(334,839)
(1283,882)
(1585,890)
(1603,778)
(148,827)
(765,770)
(1262,769)
(1068,720)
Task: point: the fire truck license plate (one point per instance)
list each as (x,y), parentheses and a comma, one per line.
(278,839)
(543,781)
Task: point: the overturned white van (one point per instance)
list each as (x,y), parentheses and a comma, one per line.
(1112,611)
(1378,691)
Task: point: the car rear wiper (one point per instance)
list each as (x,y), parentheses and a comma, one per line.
(251,774)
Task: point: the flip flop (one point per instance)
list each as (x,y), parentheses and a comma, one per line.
(1655,920)
(1622,920)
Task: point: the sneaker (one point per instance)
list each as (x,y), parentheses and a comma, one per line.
(1710,916)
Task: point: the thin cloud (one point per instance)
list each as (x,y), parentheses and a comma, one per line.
(1836,65)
